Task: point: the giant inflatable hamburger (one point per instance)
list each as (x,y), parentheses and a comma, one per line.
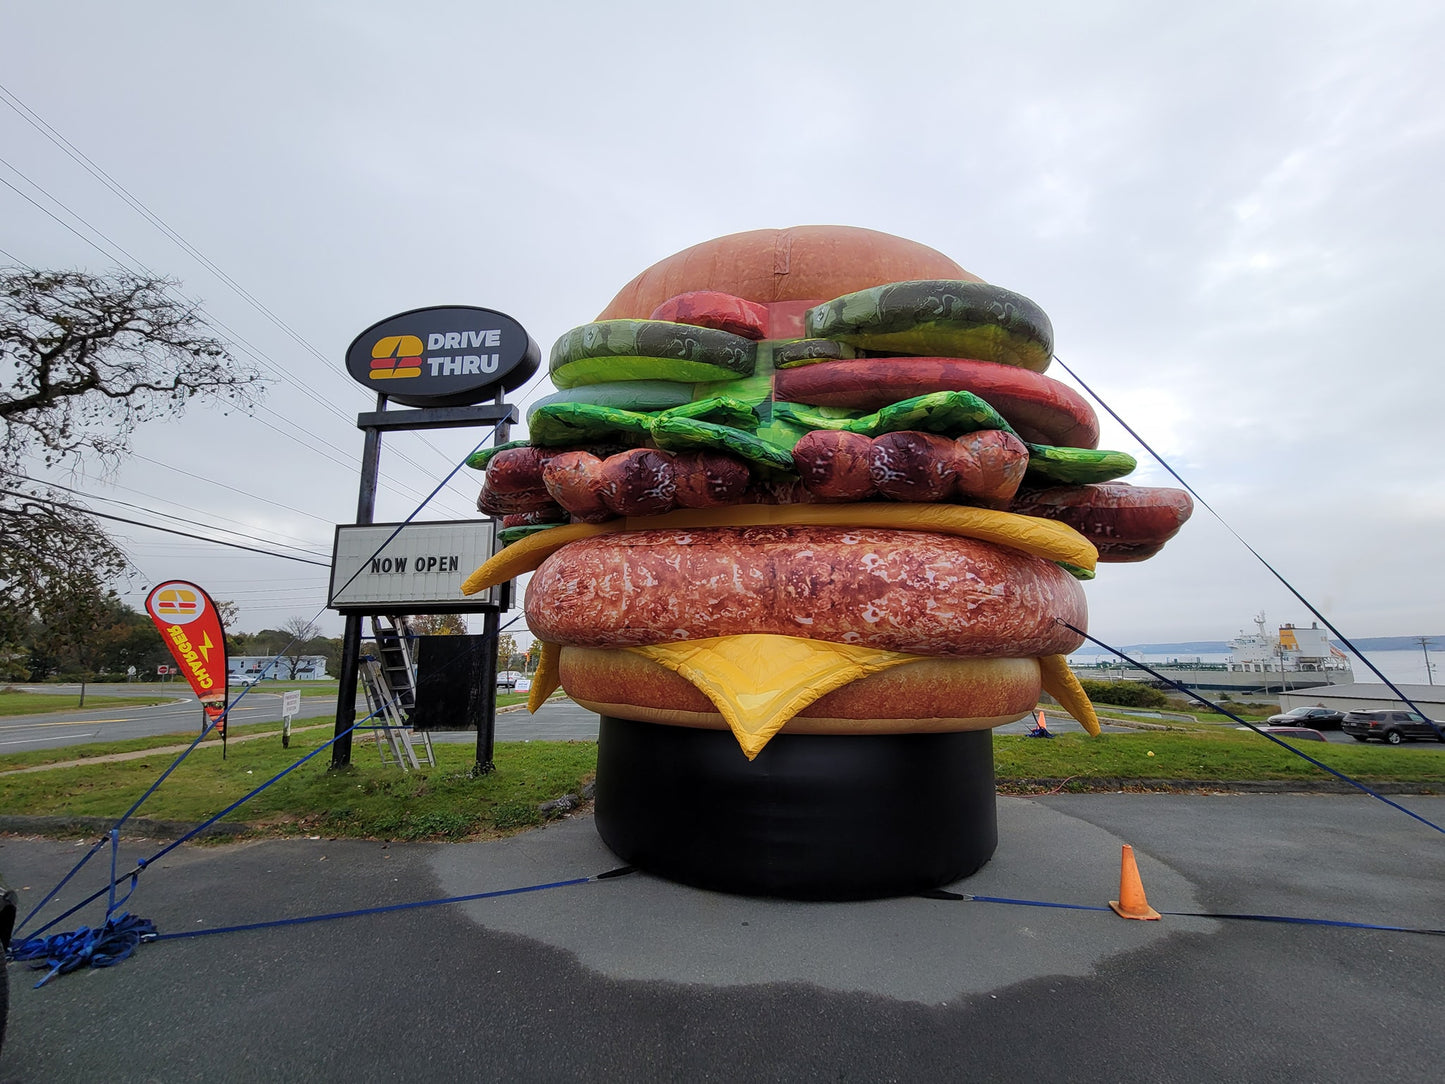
(806,520)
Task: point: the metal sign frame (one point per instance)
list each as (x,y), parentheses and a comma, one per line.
(380,547)
(502,416)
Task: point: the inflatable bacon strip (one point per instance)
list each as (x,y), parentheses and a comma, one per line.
(815,479)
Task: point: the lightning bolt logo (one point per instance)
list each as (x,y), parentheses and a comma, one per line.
(205,647)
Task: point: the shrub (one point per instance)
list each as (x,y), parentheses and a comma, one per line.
(1127,694)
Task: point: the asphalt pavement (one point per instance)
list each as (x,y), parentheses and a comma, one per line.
(634,978)
(180,713)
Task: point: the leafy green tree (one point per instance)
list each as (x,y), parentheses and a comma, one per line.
(330,646)
(82,629)
(506,650)
(267,642)
(438,625)
(37,657)
(46,552)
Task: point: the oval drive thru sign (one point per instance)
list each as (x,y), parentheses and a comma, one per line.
(453,355)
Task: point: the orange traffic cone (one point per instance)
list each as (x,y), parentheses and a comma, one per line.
(1131,902)
(1043,723)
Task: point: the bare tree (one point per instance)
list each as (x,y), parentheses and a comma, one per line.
(84,359)
(302,630)
(89,358)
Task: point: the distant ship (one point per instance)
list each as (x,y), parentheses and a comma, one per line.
(1294,658)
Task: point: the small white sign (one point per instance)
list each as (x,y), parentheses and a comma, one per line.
(412,566)
(291,702)
(524,685)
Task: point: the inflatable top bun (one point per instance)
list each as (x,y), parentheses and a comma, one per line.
(801,263)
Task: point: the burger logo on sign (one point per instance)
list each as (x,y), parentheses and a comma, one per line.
(446,356)
(396,356)
(176,604)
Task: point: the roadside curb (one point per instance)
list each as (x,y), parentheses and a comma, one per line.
(135,828)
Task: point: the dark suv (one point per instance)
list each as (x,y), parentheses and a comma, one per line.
(1393,725)
(1317,718)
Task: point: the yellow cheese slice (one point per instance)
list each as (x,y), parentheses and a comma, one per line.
(1061,683)
(548,677)
(1046,538)
(759,681)
(526,554)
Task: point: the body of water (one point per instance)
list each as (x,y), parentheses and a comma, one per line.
(1401,667)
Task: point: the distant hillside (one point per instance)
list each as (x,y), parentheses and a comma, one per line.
(1191,647)
(1221,647)
(1396,643)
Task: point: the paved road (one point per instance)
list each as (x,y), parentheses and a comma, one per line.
(181,715)
(560,720)
(638,979)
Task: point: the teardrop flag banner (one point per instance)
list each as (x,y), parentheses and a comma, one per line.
(191,627)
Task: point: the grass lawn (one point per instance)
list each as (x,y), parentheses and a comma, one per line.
(368,800)
(1207,754)
(365,800)
(182,737)
(17,702)
(305,688)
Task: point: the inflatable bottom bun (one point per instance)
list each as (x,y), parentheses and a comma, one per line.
(926,695)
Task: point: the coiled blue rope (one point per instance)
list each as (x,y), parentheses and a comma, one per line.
(114,941)
(63,953)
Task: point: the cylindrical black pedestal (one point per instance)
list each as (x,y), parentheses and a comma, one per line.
(813,817)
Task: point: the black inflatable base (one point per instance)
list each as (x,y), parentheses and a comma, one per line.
(812,818)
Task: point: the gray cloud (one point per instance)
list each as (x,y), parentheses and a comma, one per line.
(1230,214)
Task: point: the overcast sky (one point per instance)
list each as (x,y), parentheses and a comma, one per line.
(1231,212)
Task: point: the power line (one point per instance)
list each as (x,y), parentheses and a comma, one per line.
(233,489)
(99,173)
(168,515)
(165,530)
(127,259)
(96,171)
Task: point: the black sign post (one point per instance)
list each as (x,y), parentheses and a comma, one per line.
(445,361)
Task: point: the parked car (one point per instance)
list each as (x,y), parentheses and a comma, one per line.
(8,904)
(507,679)
(1298,733)
(243,679)
(1318,718)
(1392,725)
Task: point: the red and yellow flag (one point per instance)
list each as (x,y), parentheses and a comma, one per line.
(191,627)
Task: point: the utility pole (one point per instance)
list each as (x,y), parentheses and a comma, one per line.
(1425,642)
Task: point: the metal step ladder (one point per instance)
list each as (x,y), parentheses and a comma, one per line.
(390,686)
(393,644)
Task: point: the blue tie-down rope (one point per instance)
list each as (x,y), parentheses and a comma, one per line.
(967,897)
(119,936)
(63,953)
(306,919)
